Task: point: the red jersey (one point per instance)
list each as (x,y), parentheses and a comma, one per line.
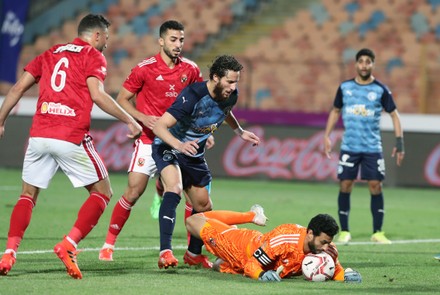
(64,103)
(156,86)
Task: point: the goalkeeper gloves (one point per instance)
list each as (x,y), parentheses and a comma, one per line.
(269,276)
(352,276)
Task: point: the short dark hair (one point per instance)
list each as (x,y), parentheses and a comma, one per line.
(170,25)
(367,52)
(92,21)
(222,64)
(323,223)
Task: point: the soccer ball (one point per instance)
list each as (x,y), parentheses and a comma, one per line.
(318,267)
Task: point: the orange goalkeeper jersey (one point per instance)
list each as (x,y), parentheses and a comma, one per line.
(250,252)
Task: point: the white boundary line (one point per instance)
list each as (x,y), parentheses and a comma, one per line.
(180,247)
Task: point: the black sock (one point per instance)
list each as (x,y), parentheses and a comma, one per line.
(167,218)
(378,211)
(344,210)
(195,244)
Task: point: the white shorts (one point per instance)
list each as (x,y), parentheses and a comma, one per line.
(141,160)
(81,163)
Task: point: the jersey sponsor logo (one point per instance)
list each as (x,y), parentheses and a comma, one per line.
(69,47)
(359,110)
(172,92)
(57,109)
(262,257)
(207,129)
(159,78)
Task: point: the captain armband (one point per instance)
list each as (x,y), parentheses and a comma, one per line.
(400,148)
(262,257)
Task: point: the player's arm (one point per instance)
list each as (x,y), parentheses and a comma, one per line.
(333,118)
(161,130)
(399,149)
(125,99)
(108,105)
(244,134)
(13,96)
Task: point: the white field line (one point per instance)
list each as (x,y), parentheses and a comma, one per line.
(184,246)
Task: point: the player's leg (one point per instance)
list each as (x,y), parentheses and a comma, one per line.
(84,167)
(141,167)
(38,170)
(373,170)
(347,172)
(137,182)
(254,215)
(171,177)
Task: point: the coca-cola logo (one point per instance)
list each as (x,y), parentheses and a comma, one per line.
(113,146)
(289,158)
(432,167)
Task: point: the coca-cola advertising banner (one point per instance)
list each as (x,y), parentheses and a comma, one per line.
(288,153)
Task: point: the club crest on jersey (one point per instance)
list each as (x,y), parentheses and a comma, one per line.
(212,242)
(372,96)
(141,162)
(184,78)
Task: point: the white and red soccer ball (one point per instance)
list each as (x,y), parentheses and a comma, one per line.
(318,267)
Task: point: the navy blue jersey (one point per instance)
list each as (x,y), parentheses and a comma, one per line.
(198,115)
(361,107)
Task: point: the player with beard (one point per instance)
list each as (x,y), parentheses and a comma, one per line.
(148,91)
(270,256)
(361,101)
(179,147)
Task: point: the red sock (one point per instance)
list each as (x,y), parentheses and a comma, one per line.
(120,214)
(188,213)
(88,216)
(20,219)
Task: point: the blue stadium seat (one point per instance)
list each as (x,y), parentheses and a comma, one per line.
(346,27)
(392,63)
(351,8)
(419,24)
(319,13)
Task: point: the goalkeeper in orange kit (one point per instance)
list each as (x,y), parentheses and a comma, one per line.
(270,256)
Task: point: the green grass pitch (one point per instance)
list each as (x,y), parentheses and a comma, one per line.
(412,221)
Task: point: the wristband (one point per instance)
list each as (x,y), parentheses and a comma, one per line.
(238,131)
(399,145)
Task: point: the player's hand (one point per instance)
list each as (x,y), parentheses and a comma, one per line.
(327,147)
(399,151)
(135,129)
(352,276)
(251,137)
(189,148)
(210,142)
(149,121)
(2,131)
(270,276)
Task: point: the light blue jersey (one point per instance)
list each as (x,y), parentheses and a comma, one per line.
(198,115)
(361,107)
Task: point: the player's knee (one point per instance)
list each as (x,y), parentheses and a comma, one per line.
(203,206)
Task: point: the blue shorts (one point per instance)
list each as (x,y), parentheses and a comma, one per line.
(372,166)
(195,171)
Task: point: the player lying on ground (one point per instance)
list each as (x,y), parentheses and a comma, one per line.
(259,256)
